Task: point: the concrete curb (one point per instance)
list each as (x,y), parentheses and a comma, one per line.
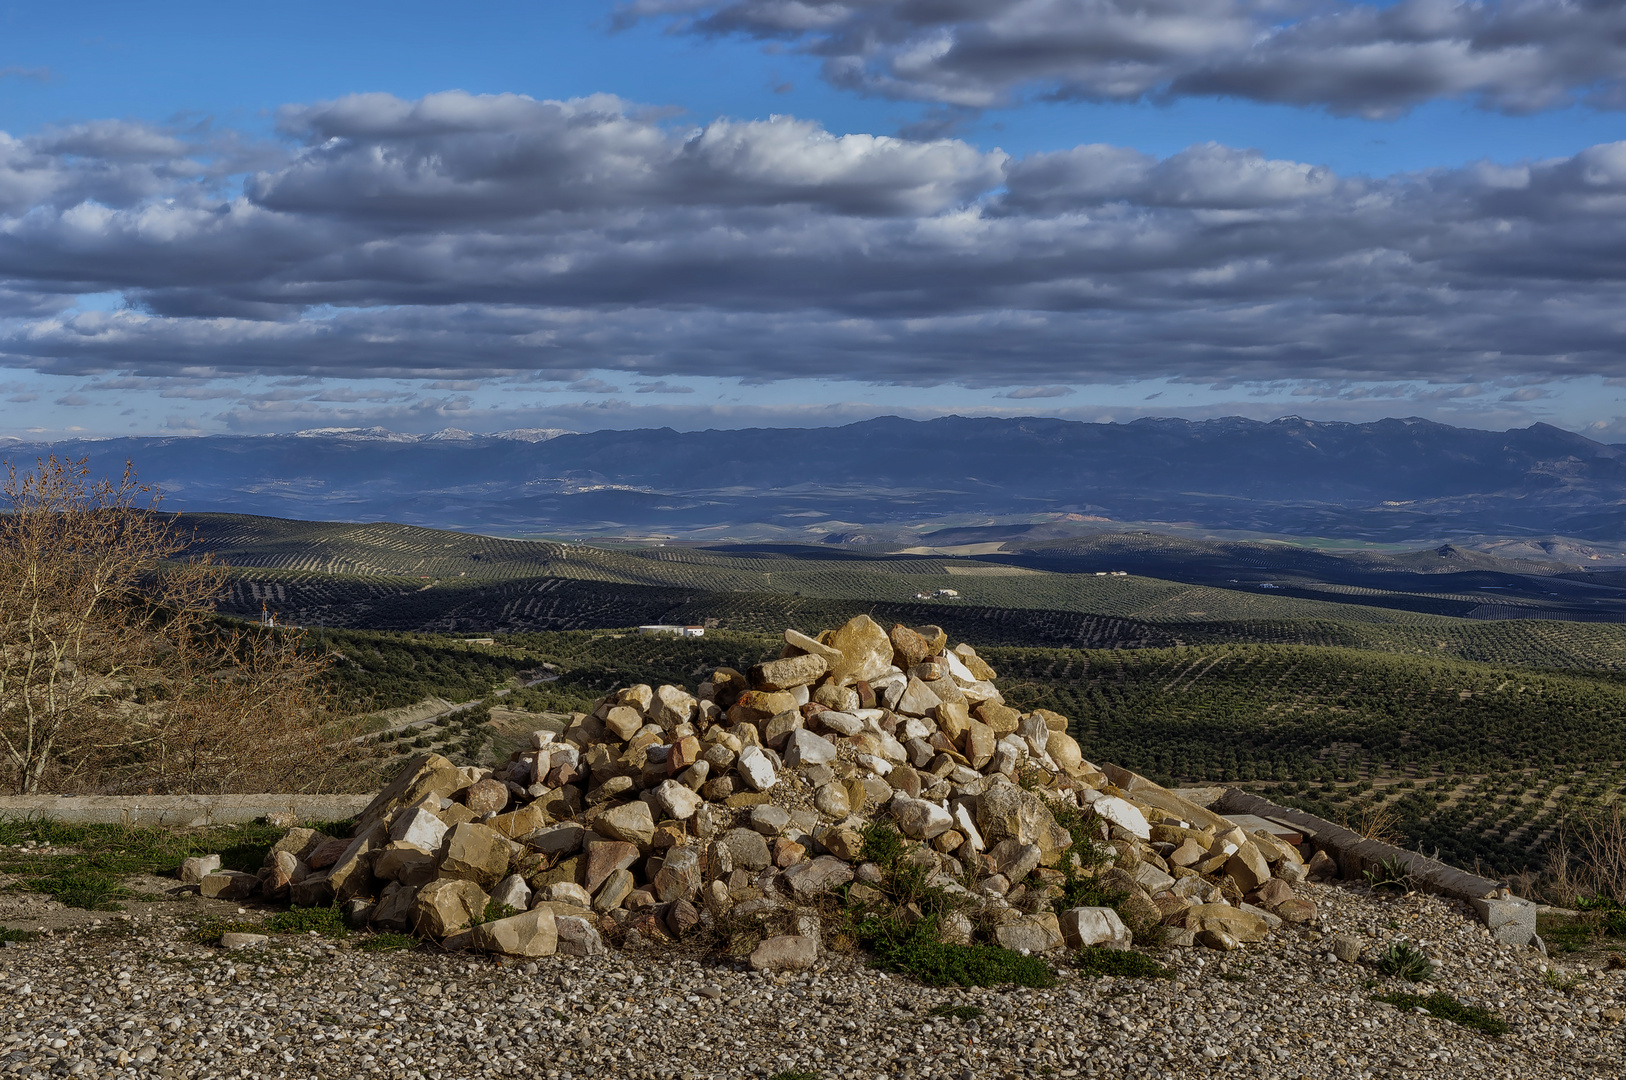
(188,811)
(1511,920)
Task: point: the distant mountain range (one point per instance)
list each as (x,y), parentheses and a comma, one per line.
(895,481)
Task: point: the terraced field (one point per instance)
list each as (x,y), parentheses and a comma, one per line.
(1482,762)
(1480,734)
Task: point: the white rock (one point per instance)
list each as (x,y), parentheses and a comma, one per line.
(1085,926)
(918,818)
(877,765)
(568,892)
(966,822)
(845,723)
(805,748)
(578,937)
(1124,815)
(957,668)
(418,826)
(676,800)
(756,768)
(512,891)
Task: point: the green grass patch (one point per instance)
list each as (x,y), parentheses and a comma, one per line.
(89,869)
(8,934)
(387,942)
(1099,963)
(326,921)
(1449,1008)
(937,963)
(957,1012)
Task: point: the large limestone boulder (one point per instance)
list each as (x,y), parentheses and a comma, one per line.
(419,827)
(1124,814)
(1242,925)
(1082,927)
(405,863)
(532,933)
(424,775)
(447,905)
(789,673)
(679,875)
(352,874)
(866,651)
(919,819)
(786,953)
(631,822)
(1247,867)
(671,706)
(474,853)
(1031,934)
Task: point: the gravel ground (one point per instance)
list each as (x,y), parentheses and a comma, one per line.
(133,997)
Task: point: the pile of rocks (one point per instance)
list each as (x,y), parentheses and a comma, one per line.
(743,804)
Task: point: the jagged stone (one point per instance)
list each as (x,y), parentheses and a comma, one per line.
(866,651)
(785,953)
(631,822)
(532,933)
(790,672)
(1082,927)
(422,776)
(474,853)
(447,904)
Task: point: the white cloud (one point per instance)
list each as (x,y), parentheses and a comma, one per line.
(1360,58)
(458,238)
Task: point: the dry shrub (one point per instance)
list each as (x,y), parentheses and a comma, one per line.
(115,674)
(1589,858)
(1375,822)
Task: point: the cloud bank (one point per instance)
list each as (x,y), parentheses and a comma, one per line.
(463,237)
(1366,59)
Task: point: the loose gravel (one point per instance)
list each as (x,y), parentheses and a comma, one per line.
(134,997)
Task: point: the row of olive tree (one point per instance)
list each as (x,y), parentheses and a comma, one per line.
(116,675)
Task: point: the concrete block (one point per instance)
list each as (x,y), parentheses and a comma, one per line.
(1511,921)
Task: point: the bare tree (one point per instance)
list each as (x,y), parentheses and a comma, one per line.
(115,673)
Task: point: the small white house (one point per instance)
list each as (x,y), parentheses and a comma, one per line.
(950,593)
(679,631)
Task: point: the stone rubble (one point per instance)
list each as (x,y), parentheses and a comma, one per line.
(661,811)
(140,997)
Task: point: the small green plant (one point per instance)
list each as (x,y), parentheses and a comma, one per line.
(936,963)
(1392,873)
(495,911)
(957,1012)
(1402,961)
(8,934)
(1099,963)
(883,845)
(327,921)
(387,942)
(1449,1008)
(1611,913)
(1561,980)
(795,1074)
(210,932)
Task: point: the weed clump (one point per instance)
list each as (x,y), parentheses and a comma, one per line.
(1446,1007)
(1100,963)
(327,921)
(957,1012)
(1402,961)
(387,942)
(903,931)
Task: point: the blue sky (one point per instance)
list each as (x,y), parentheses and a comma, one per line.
(1370,213)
